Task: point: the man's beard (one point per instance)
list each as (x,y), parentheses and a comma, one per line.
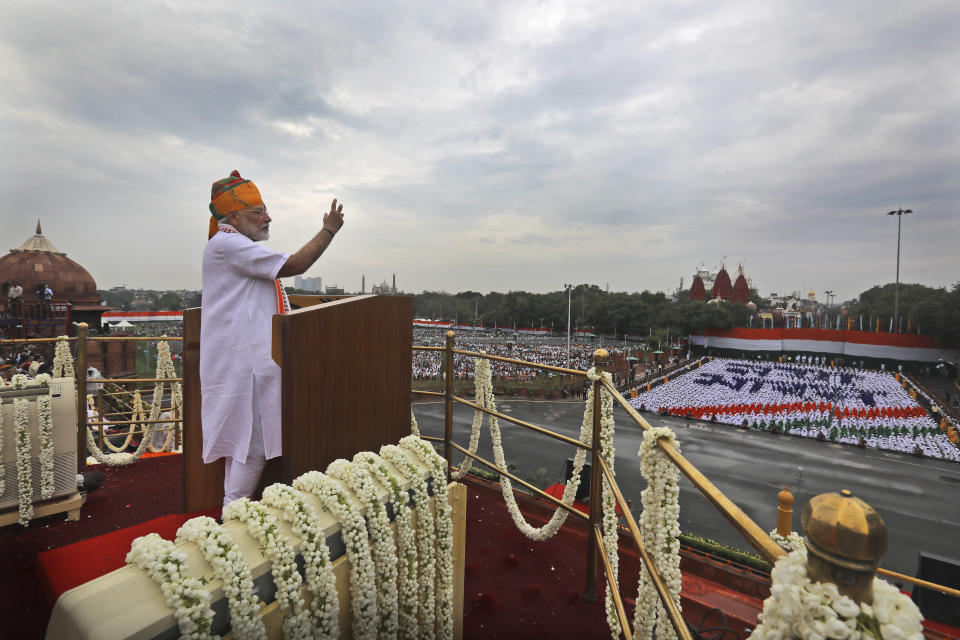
(256,232)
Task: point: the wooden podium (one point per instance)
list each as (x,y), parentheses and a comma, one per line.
(346,387)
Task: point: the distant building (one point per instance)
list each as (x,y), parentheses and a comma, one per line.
(741,290)
(308,284)
(722,289)
(697,290)
(385,289)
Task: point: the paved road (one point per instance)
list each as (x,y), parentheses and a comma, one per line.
(918,498)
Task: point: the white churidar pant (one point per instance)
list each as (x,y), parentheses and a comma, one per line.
(240,478)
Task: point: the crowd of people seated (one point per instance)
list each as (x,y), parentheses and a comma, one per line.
(839,404)
(428,364)
(26,360)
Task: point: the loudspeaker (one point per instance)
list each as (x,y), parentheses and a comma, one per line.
(933,604)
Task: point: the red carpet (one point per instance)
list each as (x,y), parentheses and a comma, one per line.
(130,495)
(71,565)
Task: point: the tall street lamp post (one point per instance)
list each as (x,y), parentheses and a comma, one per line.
(569,288)
(896,291)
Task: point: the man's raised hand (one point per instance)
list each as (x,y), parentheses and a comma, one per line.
(333,220)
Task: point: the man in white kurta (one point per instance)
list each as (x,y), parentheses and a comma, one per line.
(239,381)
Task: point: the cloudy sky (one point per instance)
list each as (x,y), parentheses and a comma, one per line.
(493,146)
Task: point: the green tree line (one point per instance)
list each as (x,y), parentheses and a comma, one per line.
(935,310)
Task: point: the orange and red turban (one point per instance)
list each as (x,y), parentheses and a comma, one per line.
(232,193)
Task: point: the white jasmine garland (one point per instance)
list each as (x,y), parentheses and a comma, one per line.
(354,531)
(611,536)
(164,370)
(552,526)
(660,530)
(407,596)
(799,608)
(482,394)
(21,427)
(789,543)
(321,581)
(183,593)
(443,520)
(426,536)
(264,527)
(229,566)
(136,416)
(63,359)
(382,547)
(45,424)
(414,429)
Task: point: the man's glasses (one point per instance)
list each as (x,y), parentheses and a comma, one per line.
(260,213)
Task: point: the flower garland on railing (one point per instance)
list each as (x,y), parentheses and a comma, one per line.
(136,418)
(363,592)
(23,444)
(482,395)
(183,593)
(611,535)
(321,581)
(407,600)
(788,543)
(22,435)
(800,608)
(382,548)
(229,566)
(264,527)
(660,530)
(45,424)
(426,537)
(484,383)
(63,359)
(444,531)
(164,370)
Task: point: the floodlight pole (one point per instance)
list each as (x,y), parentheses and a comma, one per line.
(896,291)
(569,288)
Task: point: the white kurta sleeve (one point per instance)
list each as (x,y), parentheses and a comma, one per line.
(248,258)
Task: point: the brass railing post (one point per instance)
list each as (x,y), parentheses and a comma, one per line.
(600,358)
(80,371)
(785,512)
(100,417)
(448,403)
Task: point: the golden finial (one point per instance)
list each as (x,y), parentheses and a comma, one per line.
(845,539)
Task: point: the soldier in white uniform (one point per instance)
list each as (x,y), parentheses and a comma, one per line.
(240,383)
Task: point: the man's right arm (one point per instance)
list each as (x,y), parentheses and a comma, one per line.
(303,259)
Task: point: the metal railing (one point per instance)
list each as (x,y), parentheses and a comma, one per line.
(81,342)
(600,472)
